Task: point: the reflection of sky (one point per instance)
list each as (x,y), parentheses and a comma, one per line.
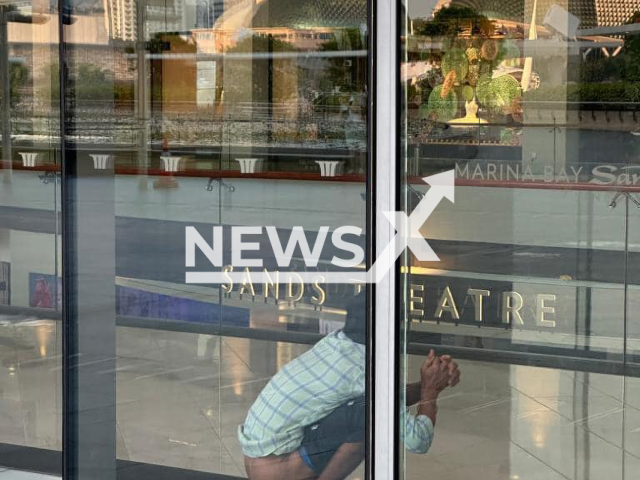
(420,8)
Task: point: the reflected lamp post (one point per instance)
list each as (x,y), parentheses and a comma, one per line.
(9,14)
(142,95)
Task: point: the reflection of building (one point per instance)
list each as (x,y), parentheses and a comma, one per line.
(592,13)
(184,15)
(520,10)
(210,41)
(121,19)
(169,16)
(615,12)
(304,26)
(36,46)
(161,16)
(207,12)
(218,40)
(302,14)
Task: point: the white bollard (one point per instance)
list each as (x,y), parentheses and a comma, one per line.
(100,161)
(248,165)
(328,168)
(171,164)
(29,159)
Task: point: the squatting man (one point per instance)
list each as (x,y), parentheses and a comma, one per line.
(308,422)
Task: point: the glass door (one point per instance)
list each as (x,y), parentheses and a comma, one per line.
(527,105)
(185,119)
(30,263)
(631,387)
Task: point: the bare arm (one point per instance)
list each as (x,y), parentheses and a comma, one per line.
(428,404)
(413,393)
(436,374)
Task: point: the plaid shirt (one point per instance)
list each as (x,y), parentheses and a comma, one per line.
(306,390)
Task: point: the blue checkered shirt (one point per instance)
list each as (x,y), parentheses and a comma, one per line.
(306,390)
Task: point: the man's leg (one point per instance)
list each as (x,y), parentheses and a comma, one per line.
(278,467)
(344,461)
(331,449)
(334,446)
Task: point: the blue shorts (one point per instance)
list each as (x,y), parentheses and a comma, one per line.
(346,424)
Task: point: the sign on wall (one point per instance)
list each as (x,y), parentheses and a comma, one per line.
(5,283)
(492,303)
(44,290)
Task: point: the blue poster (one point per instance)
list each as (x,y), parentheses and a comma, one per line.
(141,303)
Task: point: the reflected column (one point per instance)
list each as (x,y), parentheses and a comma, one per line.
(89,414)
(142,95)
(6,93)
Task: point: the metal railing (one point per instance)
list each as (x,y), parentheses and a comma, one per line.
(529,355)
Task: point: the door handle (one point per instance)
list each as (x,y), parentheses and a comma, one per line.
(614,201)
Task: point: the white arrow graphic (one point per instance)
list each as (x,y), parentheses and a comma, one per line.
(407,235)
(408,226)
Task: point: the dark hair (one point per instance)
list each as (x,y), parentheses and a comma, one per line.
(356,325)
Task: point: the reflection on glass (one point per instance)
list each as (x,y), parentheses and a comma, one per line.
(205,114)
(30,346)
(530,103)
(309,420)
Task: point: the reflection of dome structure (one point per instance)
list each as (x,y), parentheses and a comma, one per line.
(293,14)
(496,9)
(520,10)
(307,14)
(592,13)
(615,12)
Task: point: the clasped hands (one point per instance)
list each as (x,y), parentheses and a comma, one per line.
(436,374)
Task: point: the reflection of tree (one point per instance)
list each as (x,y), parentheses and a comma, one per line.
(271,79)
(631,52)
(459,76)
(18,78)
(453,20)
(347,73)
(18,73)
(90,83)
(597,67)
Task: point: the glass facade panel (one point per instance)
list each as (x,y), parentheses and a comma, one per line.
(30,293)
(632,385)
(184,120)
(175,182)
(528,104)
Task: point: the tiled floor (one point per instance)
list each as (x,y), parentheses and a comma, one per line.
(181,397)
